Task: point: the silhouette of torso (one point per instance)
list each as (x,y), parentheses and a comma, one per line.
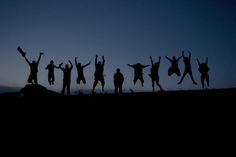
(138,70)
(80,71)
(67,74)
(33,68)
(50,68)
(99,71)
(174,64)
(203,69)
(118,78)
(154,70)
(187,64)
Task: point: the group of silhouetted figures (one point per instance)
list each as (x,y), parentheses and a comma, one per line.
(118,76)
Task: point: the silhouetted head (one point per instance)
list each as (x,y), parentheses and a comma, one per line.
(34,62)
(118,70)
(79,64)
(67,66)
(99,63)
(138,64)
(174,58)
(51,62)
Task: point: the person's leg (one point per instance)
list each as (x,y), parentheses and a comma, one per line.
(170,71)
(95,84)
(153,85)
(182,77)
(53,78)
(207,80)
(68,88)
(178,72)
(103,83)
(30,78)
(49,79)
(83,80)
(135,79)
(158,84)
(142,81)
(121,91)
(63,88)
(202,81)
(116,89)
(191,76)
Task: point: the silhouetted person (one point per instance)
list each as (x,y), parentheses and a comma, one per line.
(187,69)
(80,71)
(50,67)
(203,69)
(98,75)
(118,81)
(33,67)
(138,72)
(174,66)
(154,73)
(66,77)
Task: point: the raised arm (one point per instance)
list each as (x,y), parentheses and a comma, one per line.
(71,65)
(96,59)
(206,60)
(41,53)
(198,62)
(27,60)
(60,66)
(76,61)
(103,60)
(179,58)
(189,55)
(151,60)
(182,53)
(159,60)
(86,64)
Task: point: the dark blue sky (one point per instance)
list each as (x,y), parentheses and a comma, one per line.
(124,31)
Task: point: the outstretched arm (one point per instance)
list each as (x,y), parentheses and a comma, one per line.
(103,60)
(71,65)
(144,66)
(151,60)
(168,58)
(41,53)
(130,65)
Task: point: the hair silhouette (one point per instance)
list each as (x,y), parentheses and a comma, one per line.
(154,73)
(66,77)
(98,75)
(50,67)
(174,69)
(138,72)
(203,69)
(187,70)
(33,66)
(118,81)
(80,71)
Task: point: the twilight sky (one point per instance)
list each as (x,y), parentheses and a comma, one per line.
(125,32)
